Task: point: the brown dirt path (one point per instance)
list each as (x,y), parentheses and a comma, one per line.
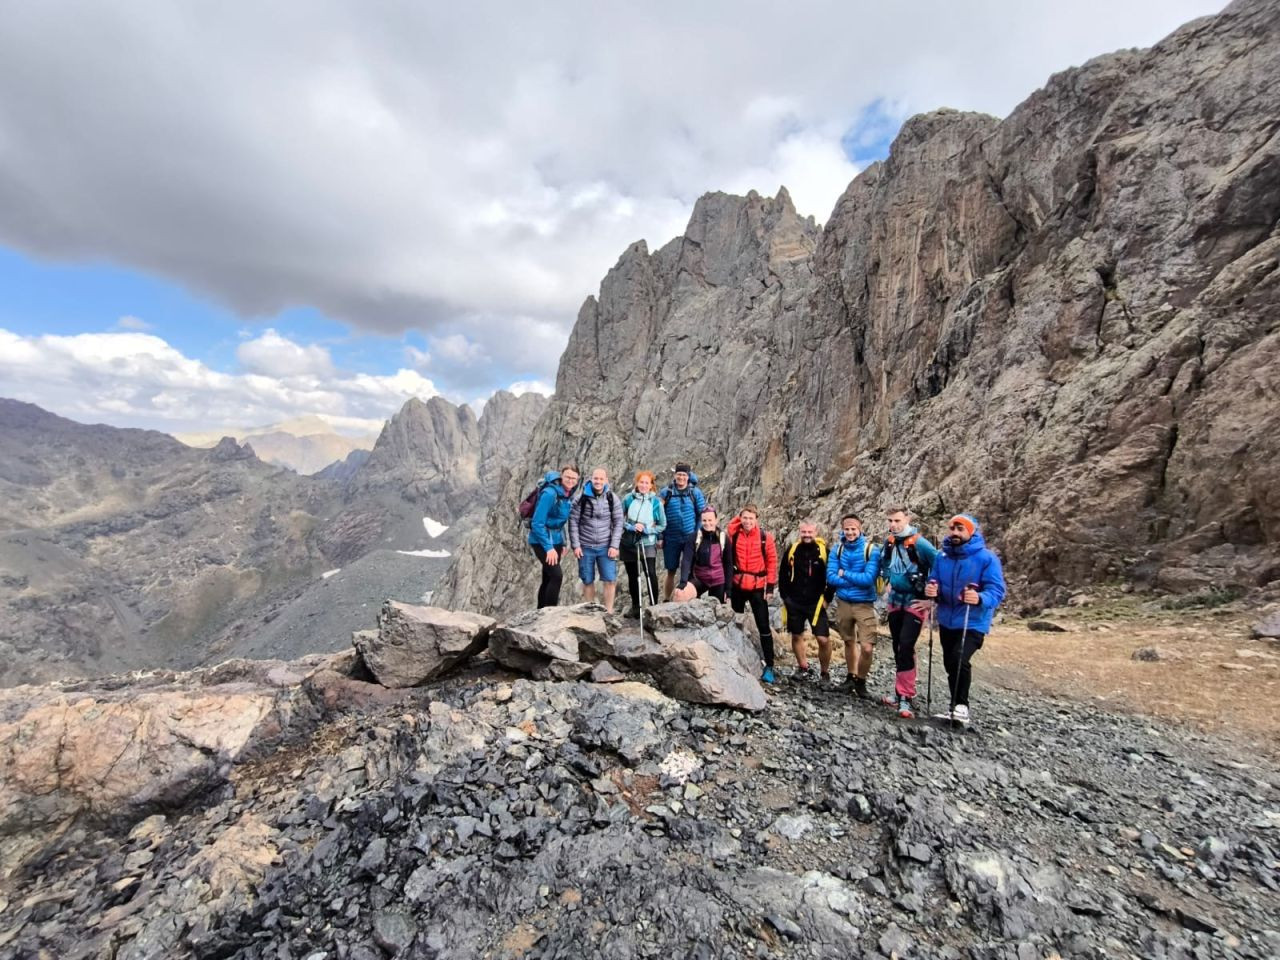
(1210,672)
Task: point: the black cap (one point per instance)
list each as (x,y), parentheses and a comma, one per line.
(683,468)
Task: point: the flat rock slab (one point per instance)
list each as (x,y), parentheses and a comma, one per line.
(416,644)
(554,633)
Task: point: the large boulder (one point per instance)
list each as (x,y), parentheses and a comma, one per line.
(697,651)
(415,644)
(118,748)
(553,633)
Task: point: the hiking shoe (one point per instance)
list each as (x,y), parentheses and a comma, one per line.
(860,689)
(961,713)
(891,700)
(633,613)
(904,708)
(849,683)
(767,676)
(803,674)
(824,679)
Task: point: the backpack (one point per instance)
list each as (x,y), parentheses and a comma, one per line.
(698,541)
(670,490)
(907,546)
(822,551)
(582,504)
(530,503)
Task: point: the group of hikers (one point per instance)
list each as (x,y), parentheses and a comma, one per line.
(957,584)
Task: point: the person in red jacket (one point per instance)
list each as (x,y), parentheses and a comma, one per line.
(755,574)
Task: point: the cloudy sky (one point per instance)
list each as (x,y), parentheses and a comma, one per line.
(233,213)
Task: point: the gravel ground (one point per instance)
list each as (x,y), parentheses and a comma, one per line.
(511,818)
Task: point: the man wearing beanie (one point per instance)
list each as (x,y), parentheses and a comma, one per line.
(684,504)
(967,585)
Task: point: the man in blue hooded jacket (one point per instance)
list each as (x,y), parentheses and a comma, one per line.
(684,504)
(851,569)
(967,585)
(546,530)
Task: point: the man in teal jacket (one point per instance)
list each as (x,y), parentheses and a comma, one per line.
(546,529)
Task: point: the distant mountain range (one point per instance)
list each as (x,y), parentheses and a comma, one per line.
(305,445)
(125,549)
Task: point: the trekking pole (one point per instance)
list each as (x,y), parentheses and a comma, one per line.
(964,634)
(644,575)
(928,707)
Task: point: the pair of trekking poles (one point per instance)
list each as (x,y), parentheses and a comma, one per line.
(951,681)
(642,571)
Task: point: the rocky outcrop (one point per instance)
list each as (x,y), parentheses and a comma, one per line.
(415,644)
(115,751)
(698,652)
(1059,320)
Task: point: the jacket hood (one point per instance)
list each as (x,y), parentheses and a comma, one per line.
(972,545)
(735,525)
(590,491)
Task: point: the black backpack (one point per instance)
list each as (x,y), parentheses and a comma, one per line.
(582,504)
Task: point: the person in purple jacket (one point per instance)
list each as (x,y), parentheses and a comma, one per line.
(705,561)
(967,584)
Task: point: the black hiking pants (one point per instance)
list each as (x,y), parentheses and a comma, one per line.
(738,600)
(904,628)
(633,578)
(958,648)
(718,591)
(552,576)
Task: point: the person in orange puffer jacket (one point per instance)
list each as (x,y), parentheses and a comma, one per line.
(755,566)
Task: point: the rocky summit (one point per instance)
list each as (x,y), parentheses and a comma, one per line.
(1062,320)
(298,810)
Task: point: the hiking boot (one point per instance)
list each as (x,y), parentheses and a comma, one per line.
(904,708)
(891,700)
(961,713)
(632,614)
(849,683)
(824,679)
(767,676)
(803,674)
(860,689)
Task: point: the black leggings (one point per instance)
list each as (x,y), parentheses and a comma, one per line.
(905,631)
(633,577)
(718,591)
(958,672)
(738,599)
(549,589)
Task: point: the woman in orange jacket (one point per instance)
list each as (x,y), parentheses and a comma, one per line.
(755,566)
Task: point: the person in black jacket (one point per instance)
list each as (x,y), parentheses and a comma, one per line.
(802,583)
(707,561)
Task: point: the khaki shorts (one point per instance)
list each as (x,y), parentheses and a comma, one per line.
(856,621)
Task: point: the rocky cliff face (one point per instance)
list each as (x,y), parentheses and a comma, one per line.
(1063,320)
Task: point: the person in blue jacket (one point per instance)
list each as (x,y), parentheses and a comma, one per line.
(546,529)
(852,566)
(684,504)
(967,585)
(905,563)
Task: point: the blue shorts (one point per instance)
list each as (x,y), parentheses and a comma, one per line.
(594,558)
(672,548)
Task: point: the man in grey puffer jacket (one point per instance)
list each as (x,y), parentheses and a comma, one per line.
(595,530)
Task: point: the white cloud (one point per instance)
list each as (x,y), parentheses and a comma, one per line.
(277,356)
(532,386)
(136,379)
(128,322)
(398,168)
